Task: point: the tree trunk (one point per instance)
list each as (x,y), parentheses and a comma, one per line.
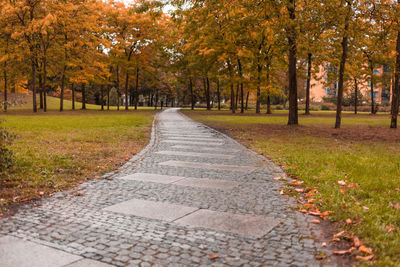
(355,96)
(241,87)
(40,92)
(83,96)
(44,82)
(118,93)
(33,66)
(5,82)
(237,95)
(108,97)
(73,96)
(102,97)
(191,93)
(269,104)
(62,89)
(156,102)
(341,70)
(371,66)
(292,41)
(208,94)
(218,95)
(396,87)
(258,100)
(137,88)
(126,91)
(247,100)
(307,112)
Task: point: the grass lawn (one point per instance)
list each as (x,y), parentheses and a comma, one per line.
(365,154)
(55,151)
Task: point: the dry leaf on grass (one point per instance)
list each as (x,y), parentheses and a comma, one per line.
(344,252)
(366,258)
(297,182)
(324,244)
(341,182)
(365,249)
(213,256)
(389,228)
(349,221)
(299,190)
(339,234)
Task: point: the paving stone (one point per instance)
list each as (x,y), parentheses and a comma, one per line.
(193,143)
(195,154)
(151,209)
(222,167)
(215,149)
(246,225)
(208,183)
(18,252)
(151,177)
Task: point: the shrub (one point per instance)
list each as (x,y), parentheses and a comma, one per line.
(325,107)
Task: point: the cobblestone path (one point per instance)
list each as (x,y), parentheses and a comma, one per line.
(192,193)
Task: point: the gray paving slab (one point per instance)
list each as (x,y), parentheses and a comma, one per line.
(246,225)
(195,154)
(201,139)
(199,165)
(88,263)
(192,142)
(152,177)
(213,149)
(208,183)
(16,252)
(151,209)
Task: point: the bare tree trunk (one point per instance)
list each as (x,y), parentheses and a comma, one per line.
(247,100)
(73,96)
(33,66)
(292,41)
(396,87)
(218,95)
(5,80)
(83,96)
(237,95)
(307,112)
(108,97)
(126,91)
(371,66)
(258,98)
(355,95)
(342,69)
(137,88)
(156,101)
(208,94)
(191,93)
(118,92)
(40,92)
(269,104)
(102,97)
(44,83)
(62,89)
(241,86)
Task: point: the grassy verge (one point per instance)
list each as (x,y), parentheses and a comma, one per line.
(365,154)
(54,152)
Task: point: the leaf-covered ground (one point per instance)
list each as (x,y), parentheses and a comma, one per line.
(354,171)
(53,152)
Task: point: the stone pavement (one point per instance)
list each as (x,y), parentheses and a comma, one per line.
(191,193)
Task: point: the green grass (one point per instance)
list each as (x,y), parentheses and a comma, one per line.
(54,152)
(365,152)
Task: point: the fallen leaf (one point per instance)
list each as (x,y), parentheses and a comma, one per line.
(97,177)
(297,182)
(281,192)
(341,182)
(213,256)
(357,203)
(277,178)
(299,190)
(357,242)
(396,206)
(365,249)
(352,185)
(366,258)
(340,234)
(1,214)
(303,210)
(342,190)
(365,208)
(348,221)
(41,193)
(397,189)
(344,252)
(316,221)
(324,244)
(389,228)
